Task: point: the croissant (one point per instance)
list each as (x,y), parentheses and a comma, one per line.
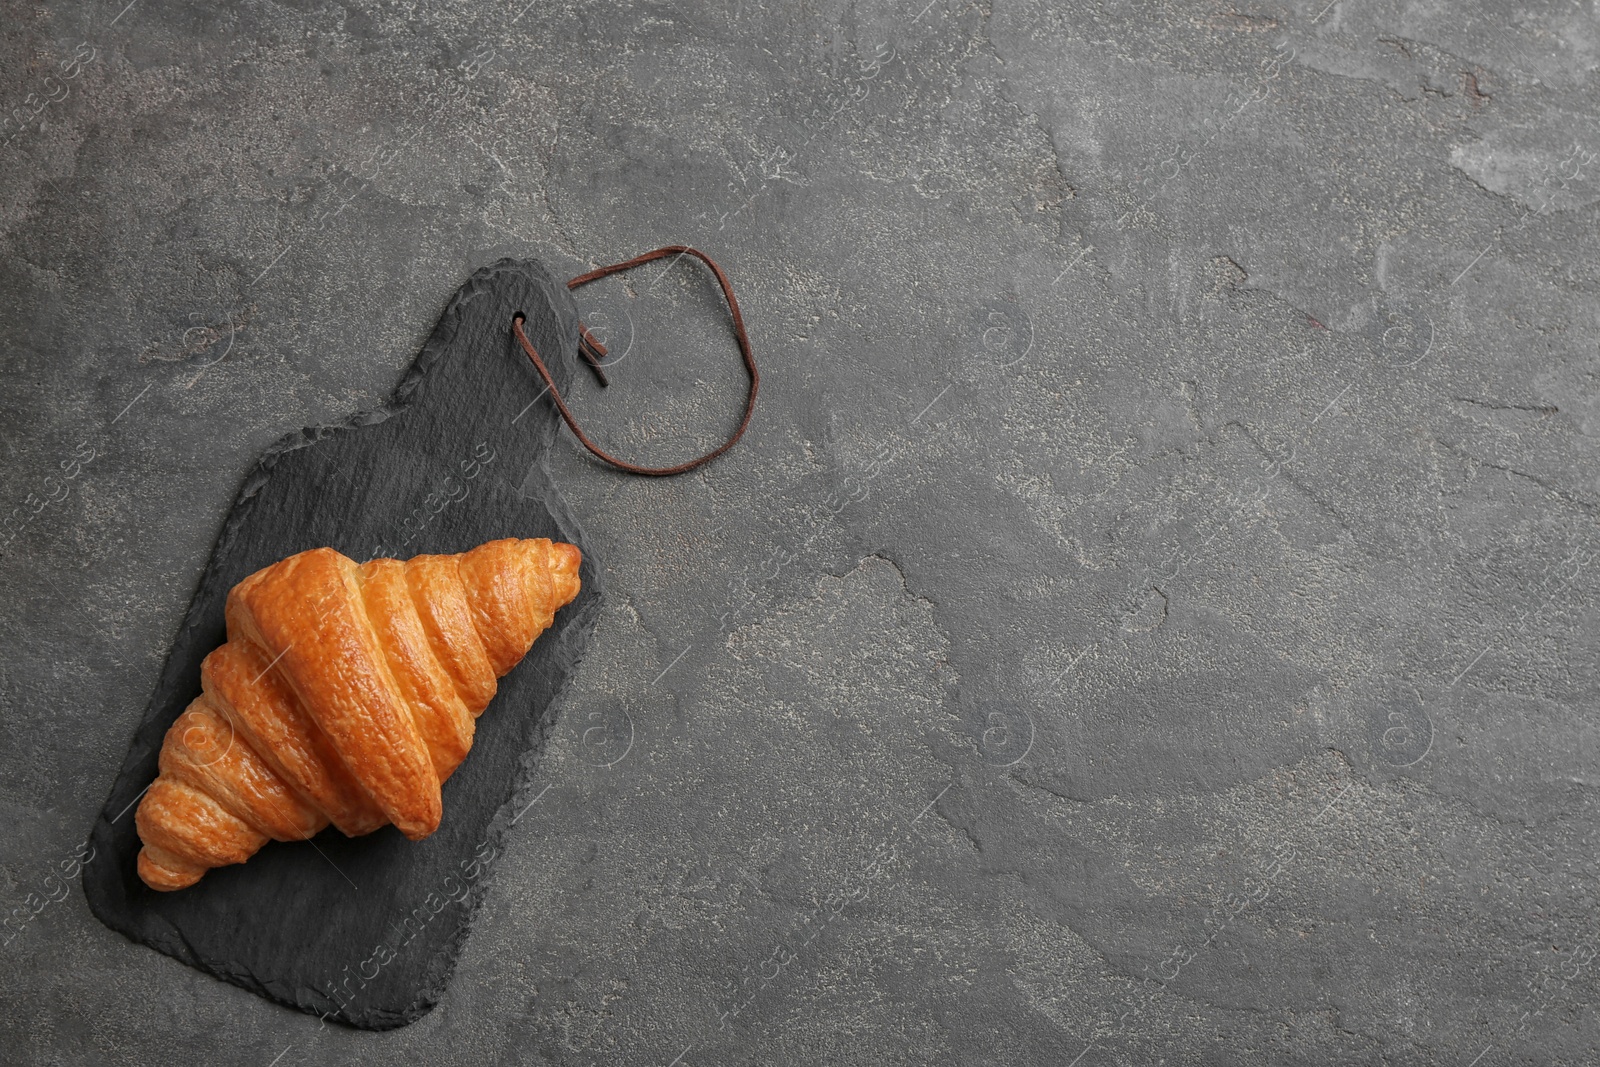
(345,694)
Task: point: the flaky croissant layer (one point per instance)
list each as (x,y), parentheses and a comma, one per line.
(345,694)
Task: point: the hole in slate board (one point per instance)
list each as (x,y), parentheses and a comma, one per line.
(367,930)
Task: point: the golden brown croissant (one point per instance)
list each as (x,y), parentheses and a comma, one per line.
(345,693)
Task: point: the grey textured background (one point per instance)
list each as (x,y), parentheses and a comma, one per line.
(1148,621)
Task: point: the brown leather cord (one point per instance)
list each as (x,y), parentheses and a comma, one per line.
(592,350)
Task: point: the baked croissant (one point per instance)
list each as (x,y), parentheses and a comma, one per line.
(345,694)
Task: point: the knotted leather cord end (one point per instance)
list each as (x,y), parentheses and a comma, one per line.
(590,348)
(592,351)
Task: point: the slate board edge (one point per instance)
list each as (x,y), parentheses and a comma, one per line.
(575,630)
(572,630)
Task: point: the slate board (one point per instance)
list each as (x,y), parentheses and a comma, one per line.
(367,930)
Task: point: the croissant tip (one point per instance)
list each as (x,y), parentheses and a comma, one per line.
(165,877)
(565,560)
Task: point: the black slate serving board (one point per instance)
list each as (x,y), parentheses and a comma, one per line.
(366,931)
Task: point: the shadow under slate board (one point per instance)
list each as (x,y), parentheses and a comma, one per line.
(367,930)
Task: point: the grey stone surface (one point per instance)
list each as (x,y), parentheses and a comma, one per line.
(1149,620)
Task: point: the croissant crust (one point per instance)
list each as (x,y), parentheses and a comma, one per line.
(345,694)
